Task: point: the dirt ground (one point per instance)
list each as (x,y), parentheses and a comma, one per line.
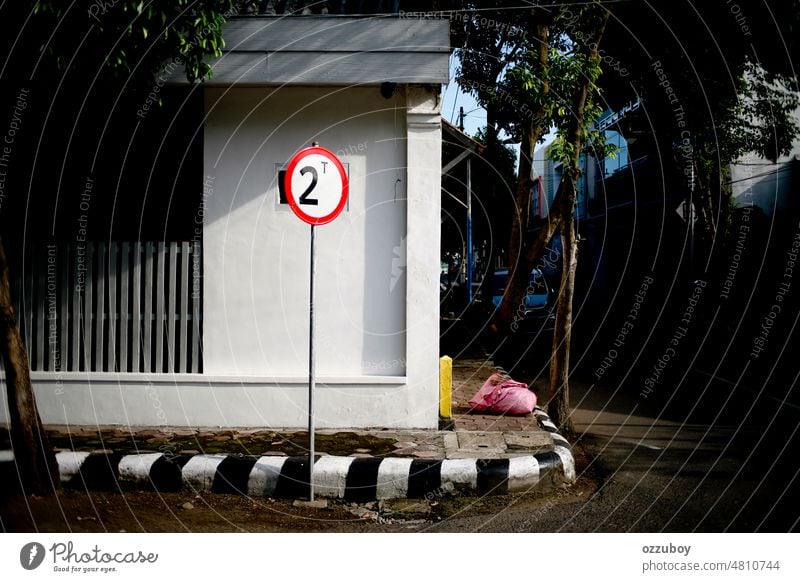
(139,512)
(78,512)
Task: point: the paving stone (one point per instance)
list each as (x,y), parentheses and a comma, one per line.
(476,454)
(184,433)
(404,445)
(428,454)
(148,434)
(517,454)
(273,454)
(248,433)
(450,442)
(363,450)
(531,440)
(188,452)
(484,442)
(430,442)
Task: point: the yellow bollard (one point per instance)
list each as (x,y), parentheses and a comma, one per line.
(446,387)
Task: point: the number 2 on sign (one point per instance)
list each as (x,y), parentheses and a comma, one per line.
(304,199)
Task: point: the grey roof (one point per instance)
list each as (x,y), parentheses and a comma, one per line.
(326,50)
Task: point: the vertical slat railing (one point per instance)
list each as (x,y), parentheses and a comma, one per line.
(124,274)
(147,340)
(173,270)
(88,311)
(196,286)
(129,307)
(63,314)
(184,315)
(100,320)
(159,324)
(41,299)
(51,320)
(79,250)
(113,310)
(136,341)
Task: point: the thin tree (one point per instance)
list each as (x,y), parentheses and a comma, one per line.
(547,80)
(568,148)
(36,464)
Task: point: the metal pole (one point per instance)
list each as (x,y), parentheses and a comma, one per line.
(311,373)
(469,229)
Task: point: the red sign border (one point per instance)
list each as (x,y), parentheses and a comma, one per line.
(287,185)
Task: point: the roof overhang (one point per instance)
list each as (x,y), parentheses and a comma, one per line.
(331,50)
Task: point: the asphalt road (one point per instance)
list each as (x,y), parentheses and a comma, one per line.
(712,463)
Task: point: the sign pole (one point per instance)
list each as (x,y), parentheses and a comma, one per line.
(311,372)
(316,188)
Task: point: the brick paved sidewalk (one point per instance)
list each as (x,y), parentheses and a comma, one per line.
(468,376)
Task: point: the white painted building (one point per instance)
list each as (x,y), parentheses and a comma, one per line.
(771,186)
(368,90)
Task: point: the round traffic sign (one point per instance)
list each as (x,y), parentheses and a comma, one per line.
(316,185)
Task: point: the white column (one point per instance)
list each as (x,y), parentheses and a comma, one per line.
(423,190)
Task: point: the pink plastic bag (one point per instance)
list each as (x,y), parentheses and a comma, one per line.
(501,395)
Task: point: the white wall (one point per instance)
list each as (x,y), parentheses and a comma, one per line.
(757,181)
(257,257)
(377,264)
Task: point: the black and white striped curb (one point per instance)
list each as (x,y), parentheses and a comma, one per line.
(558,441)
(350,478)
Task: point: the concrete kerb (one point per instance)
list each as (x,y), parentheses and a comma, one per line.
(348,478)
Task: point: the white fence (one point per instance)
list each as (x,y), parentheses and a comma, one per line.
(113,307)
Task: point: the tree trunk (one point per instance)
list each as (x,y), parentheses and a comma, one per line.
(34,458)
(520,220)
(558,409)
(706,214)
(519,263)
(519,278)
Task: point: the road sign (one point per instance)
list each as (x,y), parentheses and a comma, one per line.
(316,185)
(316,188)
(686,211)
